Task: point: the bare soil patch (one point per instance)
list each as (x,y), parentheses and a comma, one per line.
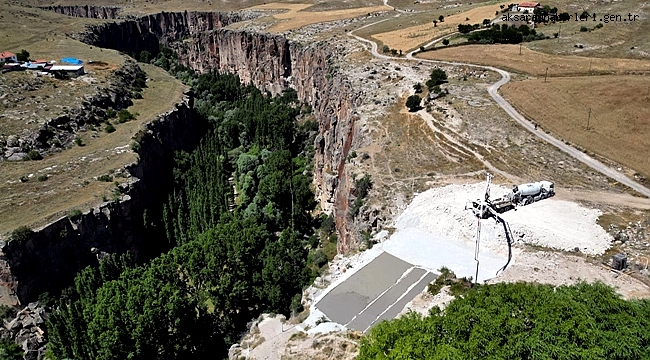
(619,127)
(534,62)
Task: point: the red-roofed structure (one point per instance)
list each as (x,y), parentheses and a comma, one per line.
(7,56)
(527,6)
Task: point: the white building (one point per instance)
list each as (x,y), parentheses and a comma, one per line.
(527,6)
(77,69)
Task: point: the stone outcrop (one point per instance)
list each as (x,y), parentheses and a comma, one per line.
(51,257)
(270,62)
(86,11)
(27,329)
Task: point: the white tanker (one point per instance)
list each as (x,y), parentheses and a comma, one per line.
(525,194)
(521,195)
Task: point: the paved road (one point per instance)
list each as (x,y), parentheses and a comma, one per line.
(493,91)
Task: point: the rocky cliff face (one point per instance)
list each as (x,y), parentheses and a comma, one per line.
(269,62)
(85,11)
(50,258)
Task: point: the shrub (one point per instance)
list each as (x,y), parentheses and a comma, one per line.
(109,128)
(42,177)
(34,155)
(599,26)
(422,49)
(583,29)
(79,142)
(135,146)
(385,49)
(7,312)
(137,95)
(74,214)
(105,178)
(21,234)
(24,178)
(124,115)
(10,350)
(110,113)
(445,42)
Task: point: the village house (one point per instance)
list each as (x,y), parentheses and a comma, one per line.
(527,7)
(7,56)
(68,69)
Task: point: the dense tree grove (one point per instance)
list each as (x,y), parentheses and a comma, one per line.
(240,225)
(520,321)
(503,34)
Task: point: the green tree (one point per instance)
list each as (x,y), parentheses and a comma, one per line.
(437,77)
(441,18)
(413,103)
(519,321)
(445,42)
(145,56)
(23,55)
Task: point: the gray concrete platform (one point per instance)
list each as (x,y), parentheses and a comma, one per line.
(378,291)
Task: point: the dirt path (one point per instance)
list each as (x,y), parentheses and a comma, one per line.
(528,125)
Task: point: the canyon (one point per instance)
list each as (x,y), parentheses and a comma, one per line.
(50,258)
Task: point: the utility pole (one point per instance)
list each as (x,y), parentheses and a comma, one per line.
(519,48)
(588,118)
(545,75)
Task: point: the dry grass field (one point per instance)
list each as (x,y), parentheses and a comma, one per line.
(295,17)
(71,174)
(414,36)
(534,62)
(619,127)
(43,34)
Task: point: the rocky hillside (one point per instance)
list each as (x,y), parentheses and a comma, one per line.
(60,131)
(85,11)
(271,62)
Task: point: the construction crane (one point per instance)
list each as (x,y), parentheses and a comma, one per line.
(484,209)
(520,195)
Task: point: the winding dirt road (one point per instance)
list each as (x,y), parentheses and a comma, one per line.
(493,91)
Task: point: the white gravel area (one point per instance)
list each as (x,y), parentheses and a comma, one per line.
(549,223)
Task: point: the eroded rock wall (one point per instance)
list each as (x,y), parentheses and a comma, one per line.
(85,11)
(51,257)
(269,62)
